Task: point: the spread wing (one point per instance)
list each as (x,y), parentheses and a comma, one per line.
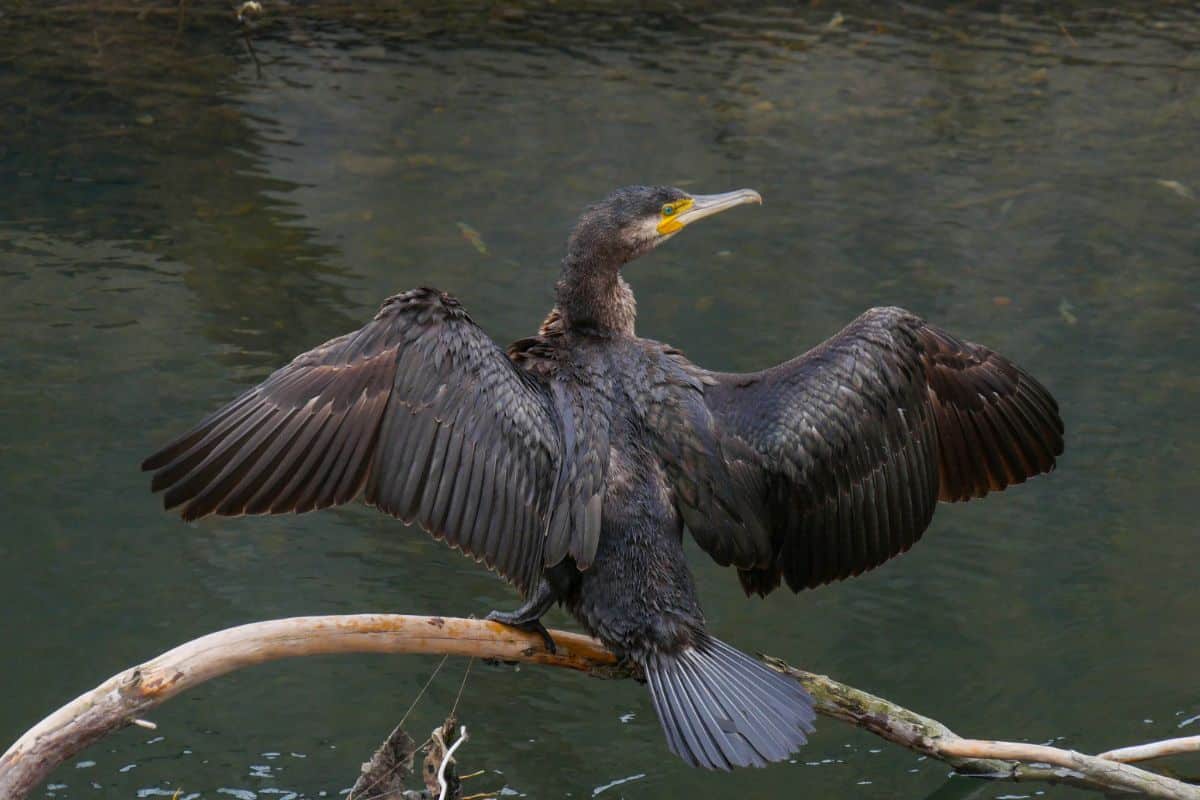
(419,407)
(852,444)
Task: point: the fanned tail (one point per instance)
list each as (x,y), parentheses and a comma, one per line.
(721,709)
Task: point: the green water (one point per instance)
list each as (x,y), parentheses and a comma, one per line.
(176,220)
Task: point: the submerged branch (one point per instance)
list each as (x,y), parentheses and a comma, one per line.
(125,697)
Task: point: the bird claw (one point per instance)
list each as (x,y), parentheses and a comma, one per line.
(514,620)
(625,664)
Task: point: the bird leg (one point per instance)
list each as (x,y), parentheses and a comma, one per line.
(529,616)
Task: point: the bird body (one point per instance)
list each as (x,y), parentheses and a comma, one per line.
(573,463)
(634,590)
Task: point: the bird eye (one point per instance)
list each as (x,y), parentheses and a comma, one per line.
(668,210)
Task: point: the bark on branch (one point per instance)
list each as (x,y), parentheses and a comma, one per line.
(123,698)
(1016,761)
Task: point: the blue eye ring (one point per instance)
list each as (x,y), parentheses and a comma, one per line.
(668,210)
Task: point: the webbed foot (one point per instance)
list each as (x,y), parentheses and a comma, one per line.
(515,619)
(529,616)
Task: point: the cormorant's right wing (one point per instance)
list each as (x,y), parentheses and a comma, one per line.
(419,407)
(849,447)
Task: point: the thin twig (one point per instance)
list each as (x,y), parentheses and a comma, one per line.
(462,737)
(461,687)
(258,71)
(424,689)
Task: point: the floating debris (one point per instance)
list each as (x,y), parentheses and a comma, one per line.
(1067,312)
(249,10)
(473,236)
(240,794)
(617,782)
(1176,187)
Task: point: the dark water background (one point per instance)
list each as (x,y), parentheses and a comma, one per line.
(176,220)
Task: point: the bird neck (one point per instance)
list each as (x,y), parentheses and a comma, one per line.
(592,297)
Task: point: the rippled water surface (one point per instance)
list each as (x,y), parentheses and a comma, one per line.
(179,216)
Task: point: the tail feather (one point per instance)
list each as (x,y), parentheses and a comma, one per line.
(721,709)
(674,741)
(771,730)
(716,727)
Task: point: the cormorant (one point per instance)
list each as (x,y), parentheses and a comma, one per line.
(572,463)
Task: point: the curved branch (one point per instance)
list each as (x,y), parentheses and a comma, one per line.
(122,698)
(127,695)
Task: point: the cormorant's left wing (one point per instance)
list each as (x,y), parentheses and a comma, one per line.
(849,447)
(419,408)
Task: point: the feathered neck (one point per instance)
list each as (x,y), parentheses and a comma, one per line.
(591,296)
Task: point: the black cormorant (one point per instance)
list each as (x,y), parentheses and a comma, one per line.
(572,463)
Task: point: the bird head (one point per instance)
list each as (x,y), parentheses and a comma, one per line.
(635,219)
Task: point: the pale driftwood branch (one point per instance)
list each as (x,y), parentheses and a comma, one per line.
(128,695)
(1145,752)
(1095,771)
(1015,761)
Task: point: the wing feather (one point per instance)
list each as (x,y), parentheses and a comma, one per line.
(416,410)
(856,441)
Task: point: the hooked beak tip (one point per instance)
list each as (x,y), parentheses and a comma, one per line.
(704,205)
(699,206)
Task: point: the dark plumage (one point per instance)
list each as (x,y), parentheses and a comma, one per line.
(573,463)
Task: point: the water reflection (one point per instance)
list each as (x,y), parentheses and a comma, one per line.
(175,225)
